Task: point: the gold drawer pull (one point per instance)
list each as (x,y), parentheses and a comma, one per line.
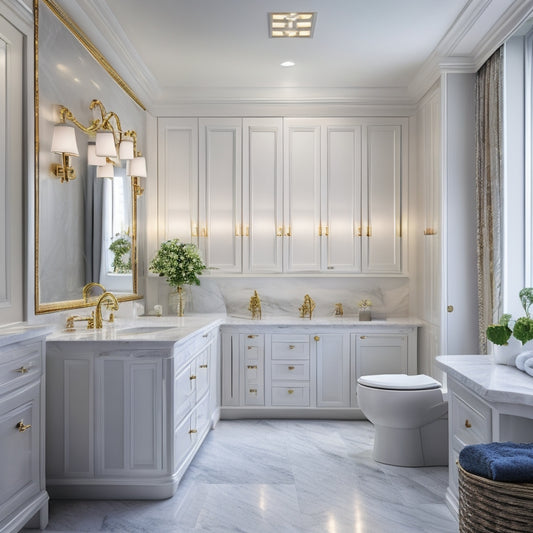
(22,370)
(291,391)
(317,338)
(193,431)
(250,347)
(362,337)
(22,427)
(192,377)
(252,367)
(291,368)
(252,336)
(467,423)
(253,391)
(291,346)
(203,366)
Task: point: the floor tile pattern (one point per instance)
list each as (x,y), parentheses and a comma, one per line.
(279,476)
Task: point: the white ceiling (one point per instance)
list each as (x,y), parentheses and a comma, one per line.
(187,49)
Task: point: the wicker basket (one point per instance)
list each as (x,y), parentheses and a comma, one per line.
(492,506)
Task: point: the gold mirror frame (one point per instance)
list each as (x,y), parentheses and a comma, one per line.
(73,28)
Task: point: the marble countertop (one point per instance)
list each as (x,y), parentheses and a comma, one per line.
(21,331)
(494,383)
(283,320)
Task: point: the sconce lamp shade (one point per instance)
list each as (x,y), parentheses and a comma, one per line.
(137,167)
(92,158)
(105,171)
(105,144)
(64,140)
(125,149)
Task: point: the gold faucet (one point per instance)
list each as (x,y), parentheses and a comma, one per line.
(110,301)
(307,307)
(69,326)
(255,306)
(88,288)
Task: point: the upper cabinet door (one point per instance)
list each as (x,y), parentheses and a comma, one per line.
(178,178)
(382,195)
(341,187)
(221,193)
(262,231)
(302,195)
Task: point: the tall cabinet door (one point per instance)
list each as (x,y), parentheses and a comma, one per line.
(341,212)
(262,231)
(302,195)
(382,165)
(332,370)
(178,183)
(221,193)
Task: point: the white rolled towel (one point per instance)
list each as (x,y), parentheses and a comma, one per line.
(521,358)
(528,366)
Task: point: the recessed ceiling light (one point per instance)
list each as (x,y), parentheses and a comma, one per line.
(288,64)
(292,24)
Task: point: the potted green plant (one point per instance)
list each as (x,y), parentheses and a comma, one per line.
(180,263)
(509,336)
(120,247)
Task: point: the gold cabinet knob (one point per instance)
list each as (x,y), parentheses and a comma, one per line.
(362,337)
(22,427)
(290,391)
(192,377)
(291,367)
(250,347)
(467,423)
(203,366)
(252,337)
(317,338)
(253,391)
(193,431)
(22,370)
(450,309)
(252,367)
(291,346)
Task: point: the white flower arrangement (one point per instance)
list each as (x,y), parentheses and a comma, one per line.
(179,262)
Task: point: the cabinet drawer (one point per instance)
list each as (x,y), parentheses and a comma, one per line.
(294,395)
(186,352)
(202,374)
(184,392)
(472,419)
(290,370)
(290,347)
(252,352)
(19,365)
(185,437)
(254,339)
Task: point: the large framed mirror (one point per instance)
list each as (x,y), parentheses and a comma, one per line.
(85,225)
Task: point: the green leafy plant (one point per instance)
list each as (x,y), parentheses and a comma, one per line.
(179,262)
(120,247)
(521,328)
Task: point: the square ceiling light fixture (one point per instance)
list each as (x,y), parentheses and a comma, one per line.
(292,24)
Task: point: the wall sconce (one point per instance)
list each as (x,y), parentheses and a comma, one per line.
(103,152)
(64,143)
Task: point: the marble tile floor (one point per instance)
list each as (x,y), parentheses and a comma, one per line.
(279,476)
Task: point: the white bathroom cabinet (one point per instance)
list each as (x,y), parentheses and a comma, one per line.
(124,419)
(307,371)
(287,195)
(23,495)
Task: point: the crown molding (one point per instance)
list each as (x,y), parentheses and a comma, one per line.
(22,10)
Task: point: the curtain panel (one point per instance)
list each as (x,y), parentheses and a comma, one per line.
(489,189)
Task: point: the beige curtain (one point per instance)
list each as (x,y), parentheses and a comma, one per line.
(489,188)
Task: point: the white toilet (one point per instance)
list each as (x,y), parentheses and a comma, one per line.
(410,416)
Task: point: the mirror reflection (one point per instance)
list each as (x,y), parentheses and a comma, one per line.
(86,199)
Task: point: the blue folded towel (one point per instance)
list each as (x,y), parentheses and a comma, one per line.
(499,461)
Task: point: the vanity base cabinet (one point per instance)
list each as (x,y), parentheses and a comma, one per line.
(22,484)
(124,422)
(308,372)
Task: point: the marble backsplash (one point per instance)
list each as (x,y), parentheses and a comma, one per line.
(284,295)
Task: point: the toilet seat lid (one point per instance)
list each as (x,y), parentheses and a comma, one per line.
(399,382)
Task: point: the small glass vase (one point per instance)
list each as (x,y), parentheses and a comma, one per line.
(365,315)
(181,302)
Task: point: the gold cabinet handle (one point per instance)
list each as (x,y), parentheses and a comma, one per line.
(288,232)
(291,346)
(290,391)
(291,367)
(430,231)
(22,427)
(203,366)
(193,431)
(194,230)
(362,337)
(252,336)
(358,232)
(317,338)
(253,391)
(467,423)
(369,231)
(279,231)
(252,367)
(22,370)
(250,347)
(192,377)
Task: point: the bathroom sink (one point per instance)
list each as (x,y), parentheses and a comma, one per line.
(142,329)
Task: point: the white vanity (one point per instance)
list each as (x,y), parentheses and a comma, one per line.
(487,402)
(129,406)
(22,481)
